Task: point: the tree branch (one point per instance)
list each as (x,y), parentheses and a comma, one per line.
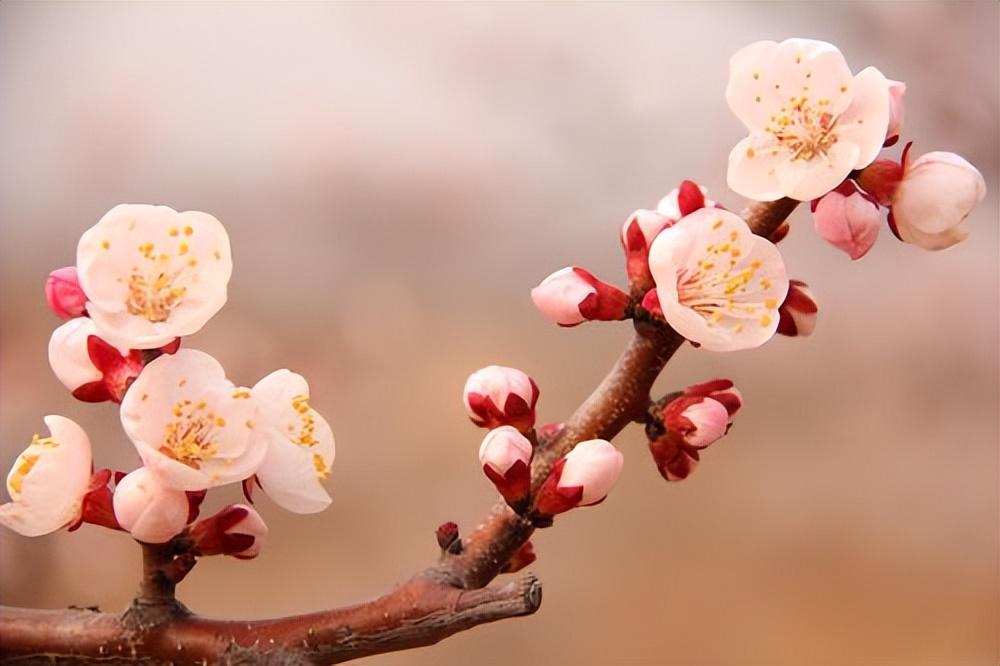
(446,598)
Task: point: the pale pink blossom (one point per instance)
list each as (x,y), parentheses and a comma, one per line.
(572,295)
(583,477)
(236,530)
(191,426)
(495,396)
(49,480)
(811,121)
(848,219)
(301,448)
(799,311)
(150,511)
(505,456)
(152,274)
(937,193)
(64,294)
(718,284)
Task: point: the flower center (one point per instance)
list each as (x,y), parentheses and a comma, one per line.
(714,287)
(154,294)
(188,438)
(806,131)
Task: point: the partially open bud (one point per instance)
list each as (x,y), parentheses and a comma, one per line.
(150,511)
(684,200)
(496,396)
(722,391)
(572,295)
(505,455)
(848,219)
(583,477)
(64,294)
(236,530)
(896,91)
(637,235)
(698,420)
(799,311)
(935,196)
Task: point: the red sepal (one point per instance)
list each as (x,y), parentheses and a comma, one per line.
(210,538)
(552,499)
(514,412)
(651,303)
(248,484)
(608,303)
(118,371)
(523,557)
(674,460)
(96,391)
(881,178)
(515,484)
(689,198)
(97,507)
(194,498)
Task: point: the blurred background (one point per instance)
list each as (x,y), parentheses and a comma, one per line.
(394,179)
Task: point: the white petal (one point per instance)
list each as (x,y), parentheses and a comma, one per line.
(753,165)
(866,121)
(68,355)
(805,180)
(48,482)
(148,510)
(747,82)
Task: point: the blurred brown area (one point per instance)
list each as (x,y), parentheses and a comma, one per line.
(395,177)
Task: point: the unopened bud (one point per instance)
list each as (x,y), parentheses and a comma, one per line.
(684,200)
(236,530)
(722,391)
(572,295)
(799,311)
(505,455)
(64,294)
(699,421)
(583,477)
(848,219)
(674,461)
(149,511)
(495,396)
(937,193)
(447,536)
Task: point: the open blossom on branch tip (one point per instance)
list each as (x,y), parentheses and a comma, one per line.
(301,448)
(236,530)
(583,477)
(152,274)
(799,312)
(150,511)
(572,295)
(848,219)
(495,396)
(49,480)
(718,284)
(64,294)
(935,195)
(811,121)
(191,426)
(505,456)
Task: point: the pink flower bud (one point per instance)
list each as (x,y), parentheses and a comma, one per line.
(236,530)
(685,200)
(848,219)
(720,390)
(572,296)
(698,420)
(505,455)
(896,91)
(496,396)
(88,366)
(583,477)
(935,196)
(798,312)
(150,511)
(637,235)
(64,294)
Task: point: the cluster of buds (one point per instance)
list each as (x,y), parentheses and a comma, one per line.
(684,424)
(146,276)
(583,477)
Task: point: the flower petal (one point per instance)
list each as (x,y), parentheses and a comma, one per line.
(865,123)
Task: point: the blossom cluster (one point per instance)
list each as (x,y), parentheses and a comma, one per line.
(145,277)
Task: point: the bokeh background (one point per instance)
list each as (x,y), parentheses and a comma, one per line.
(394,178)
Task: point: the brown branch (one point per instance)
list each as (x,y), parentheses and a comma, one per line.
(444,599)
